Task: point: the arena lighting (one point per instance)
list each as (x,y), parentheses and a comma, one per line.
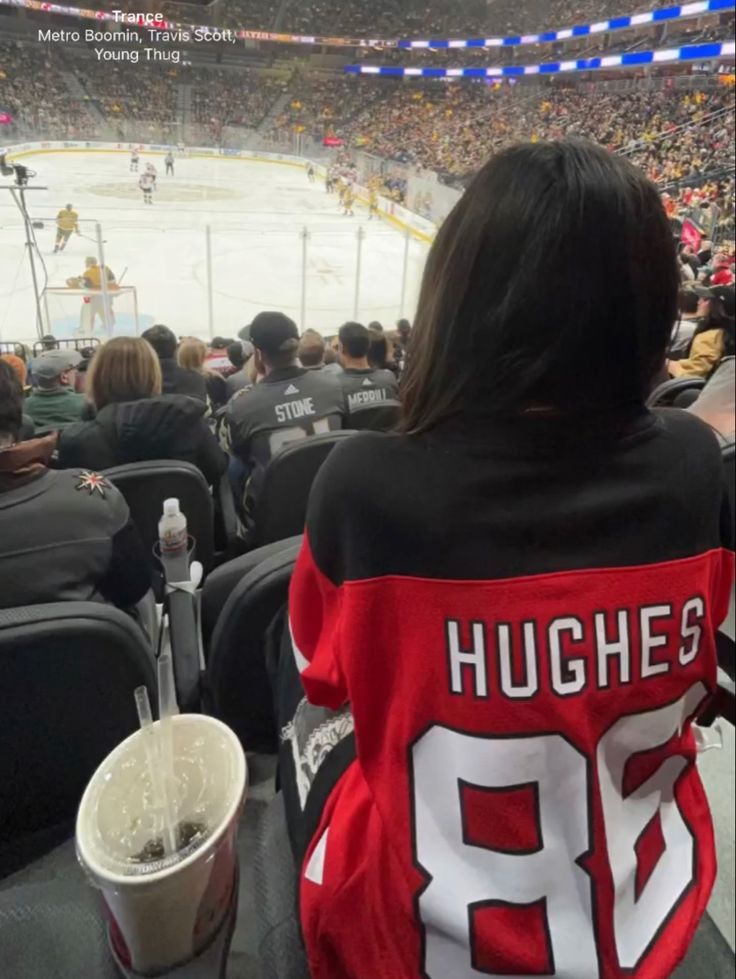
(677,12)
(673,14)
(634,59)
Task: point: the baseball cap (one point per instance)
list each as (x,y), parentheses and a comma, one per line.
(274,333)
(51,363)
(726,295)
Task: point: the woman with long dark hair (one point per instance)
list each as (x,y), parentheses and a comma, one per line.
(713,340)
(513,604)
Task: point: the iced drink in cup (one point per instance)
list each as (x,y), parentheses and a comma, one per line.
(165,907)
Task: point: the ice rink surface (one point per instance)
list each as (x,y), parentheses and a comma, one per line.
(255,211)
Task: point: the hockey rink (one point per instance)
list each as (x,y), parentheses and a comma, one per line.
(198,280)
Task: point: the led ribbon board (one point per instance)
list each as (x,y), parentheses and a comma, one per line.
(680,12)
(634,59)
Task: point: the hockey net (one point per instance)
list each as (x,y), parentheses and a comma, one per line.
(86,312)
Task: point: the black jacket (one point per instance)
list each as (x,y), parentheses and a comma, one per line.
(216,386)
(181,380)
(167,427)
(65,536)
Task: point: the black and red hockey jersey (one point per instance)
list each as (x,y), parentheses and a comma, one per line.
(521,615)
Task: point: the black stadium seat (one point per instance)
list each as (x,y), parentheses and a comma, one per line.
(145,486)
(69,671)
(383,417)
(221,583)
(237,682)
(671,393)
(287,480)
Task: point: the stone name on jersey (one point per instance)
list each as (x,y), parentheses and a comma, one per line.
(291,410)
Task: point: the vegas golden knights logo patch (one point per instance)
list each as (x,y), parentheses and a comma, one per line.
(92,483)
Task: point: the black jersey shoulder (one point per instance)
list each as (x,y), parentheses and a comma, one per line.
(491,506)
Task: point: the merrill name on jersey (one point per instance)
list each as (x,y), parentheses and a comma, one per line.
(368,397)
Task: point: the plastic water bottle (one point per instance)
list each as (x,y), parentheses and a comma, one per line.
(172,534)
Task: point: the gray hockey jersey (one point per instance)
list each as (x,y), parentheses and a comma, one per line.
(367,387)
(289,404)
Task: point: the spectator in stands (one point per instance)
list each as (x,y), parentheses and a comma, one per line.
(403,329)
(217,358)
(192,355)
(722,271)
(63,535)
(540,534)
(689,264)
(311,351)
(713,339)
(86,353)
(362,384)
(19,369)
(332,362)
(55,403)
(239,353)
(380,350)
(18,366)
(290,403)
(175,379)
(134,421)
(694,303)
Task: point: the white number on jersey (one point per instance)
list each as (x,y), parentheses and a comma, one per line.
(284,436)
(464,877)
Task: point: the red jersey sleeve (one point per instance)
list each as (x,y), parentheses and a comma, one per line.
(314,624)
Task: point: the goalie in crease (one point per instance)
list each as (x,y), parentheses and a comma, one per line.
(97,303)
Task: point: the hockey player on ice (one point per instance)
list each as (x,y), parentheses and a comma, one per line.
(134,158)
(151,171)
(169,163)
(147,184)
(67,221)
(372,203)
(348,199)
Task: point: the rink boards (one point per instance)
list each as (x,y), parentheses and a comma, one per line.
(221,243)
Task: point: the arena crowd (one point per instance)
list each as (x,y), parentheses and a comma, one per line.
(497,424)
(472,573)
